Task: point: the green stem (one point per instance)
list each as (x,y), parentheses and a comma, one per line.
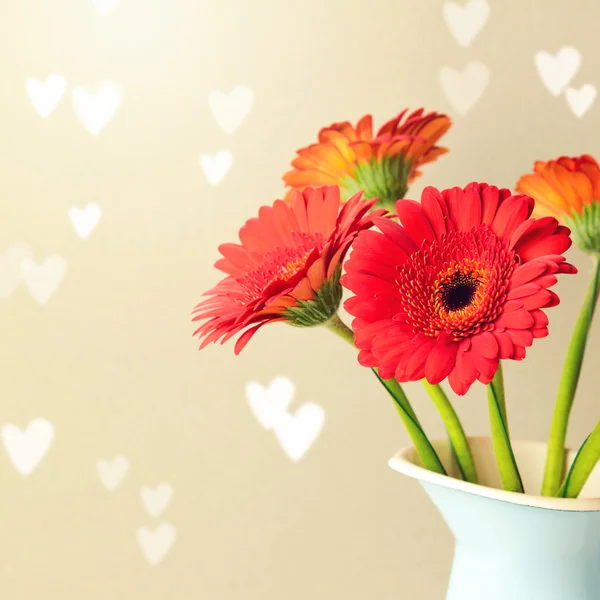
(426,451)
(507,465)
(500,395)
(340,328)
(456,433)
(395,390)
(583,465)
(431,461)
(567,387)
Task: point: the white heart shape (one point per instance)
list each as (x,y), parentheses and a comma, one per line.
(104,6)
(465,22)
(464,88)
(229,110)
(558,70)
(45,95)
(215,167)
(27,448)
(269,403)
(95,108)
(156,500)
(43,280)
(112,472)
(297,433)
(84,220)
(582,99)
(155,544)
(10,267)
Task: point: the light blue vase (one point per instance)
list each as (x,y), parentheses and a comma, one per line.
(514,546)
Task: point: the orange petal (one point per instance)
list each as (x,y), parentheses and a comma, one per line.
(543,193)
(364,128)
(304,178)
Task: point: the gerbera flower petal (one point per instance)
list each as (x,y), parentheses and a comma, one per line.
(569,189)
(455,199)
(520,337)
(415,366)
(287,267)
(490,198)
(506,348)
(464,287)
(554,244)
(441,359)
(515,319)
(435,210)
(485,344)
(464,373)
(485,367)
(397,234)
(415,221)
(469,215)
(382,165)
(511,213)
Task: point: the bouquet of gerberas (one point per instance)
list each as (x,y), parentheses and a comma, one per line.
(444,288)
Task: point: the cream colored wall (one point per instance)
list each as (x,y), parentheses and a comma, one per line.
(108,360)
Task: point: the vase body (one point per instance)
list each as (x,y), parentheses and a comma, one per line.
(514,546)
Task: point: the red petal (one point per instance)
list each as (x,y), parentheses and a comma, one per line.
(567,268)
(538,300)
(526,273)
(533,229)
(433,207)
(441,360)
(239,258)
(554,300)
(490,198)
(245,337)
(512,212)
(413,218)
(520,337)
(505,345)
(555,244)
(523,291)
(485,344)
(463,374)
(515,319)
(415,367)
(366,359)
(486,367)
(540,318)
(397,234)
(539,332)
(519,353)
(468,212)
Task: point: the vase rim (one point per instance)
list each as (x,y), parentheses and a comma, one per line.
(406,461)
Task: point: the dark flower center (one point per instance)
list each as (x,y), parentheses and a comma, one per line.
(459,292)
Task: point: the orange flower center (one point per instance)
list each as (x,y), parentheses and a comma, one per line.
(457,285)
(280,267)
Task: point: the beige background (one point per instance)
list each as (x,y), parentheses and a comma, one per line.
(109,359)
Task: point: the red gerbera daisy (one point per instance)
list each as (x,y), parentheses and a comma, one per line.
(458,286)
(287,267)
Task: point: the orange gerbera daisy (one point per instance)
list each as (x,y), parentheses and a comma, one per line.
(287,267)
(382,165)
(569,189)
